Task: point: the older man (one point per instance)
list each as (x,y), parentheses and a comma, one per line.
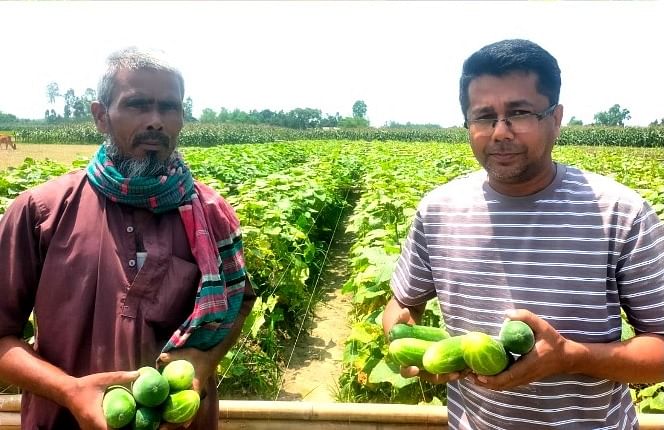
(125,264)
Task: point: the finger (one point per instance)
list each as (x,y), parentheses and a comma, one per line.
(499,380)
(119,377)
(403,316)
(164,357)
(409,371)
(167,357)
(439,378)
(534,322)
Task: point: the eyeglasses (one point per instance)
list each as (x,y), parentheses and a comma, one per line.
(521,123)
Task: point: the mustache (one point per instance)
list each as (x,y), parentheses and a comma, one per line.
(151,135)
(502,147)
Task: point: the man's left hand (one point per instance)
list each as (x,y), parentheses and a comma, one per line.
(203,370)
(551,355)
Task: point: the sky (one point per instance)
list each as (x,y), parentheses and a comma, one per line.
(403,59)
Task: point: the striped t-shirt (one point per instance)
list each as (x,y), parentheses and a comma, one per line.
(573,254)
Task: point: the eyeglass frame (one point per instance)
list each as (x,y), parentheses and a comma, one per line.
(539,115)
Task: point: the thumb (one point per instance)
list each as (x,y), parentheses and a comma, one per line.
(120,377)
(403,316)
(524,315)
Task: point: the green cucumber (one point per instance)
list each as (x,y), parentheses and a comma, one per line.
(444,356)
(408,351)
(423,332)
(517,337)
(484,354)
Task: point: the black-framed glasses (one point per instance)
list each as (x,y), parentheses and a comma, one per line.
(521,123)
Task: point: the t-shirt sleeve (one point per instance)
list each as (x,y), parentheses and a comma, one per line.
(640,272)
(412,280)
(21,264)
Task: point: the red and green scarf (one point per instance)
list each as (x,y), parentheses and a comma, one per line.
(219,294)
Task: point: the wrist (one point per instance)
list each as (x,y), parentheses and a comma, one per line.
(69,389)
(577,357)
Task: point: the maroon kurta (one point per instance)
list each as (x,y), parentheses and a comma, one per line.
(71,253)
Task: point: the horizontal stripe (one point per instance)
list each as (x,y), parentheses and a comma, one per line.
(588,247)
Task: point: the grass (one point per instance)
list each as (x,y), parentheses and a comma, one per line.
(61,153)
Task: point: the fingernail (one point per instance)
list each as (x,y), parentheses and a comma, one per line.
(510,313)
(482,379)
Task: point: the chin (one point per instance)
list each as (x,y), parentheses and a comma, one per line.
(507,174)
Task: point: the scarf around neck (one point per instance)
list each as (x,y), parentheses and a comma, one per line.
(214,309)
(155,193)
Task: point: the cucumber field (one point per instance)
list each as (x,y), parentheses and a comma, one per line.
(344,205)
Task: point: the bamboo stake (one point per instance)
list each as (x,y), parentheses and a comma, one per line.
(284,415)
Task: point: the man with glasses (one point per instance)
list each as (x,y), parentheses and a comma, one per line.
(530,239)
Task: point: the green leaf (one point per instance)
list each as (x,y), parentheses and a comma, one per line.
(386,371)
(653,405)
(650,390)
(365,332)
(627,331)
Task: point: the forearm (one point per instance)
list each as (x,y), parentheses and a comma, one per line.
(21,366)
(638,360)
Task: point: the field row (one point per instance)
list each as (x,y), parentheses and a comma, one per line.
(288,197)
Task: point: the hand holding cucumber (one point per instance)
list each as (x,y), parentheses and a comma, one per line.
(550,355)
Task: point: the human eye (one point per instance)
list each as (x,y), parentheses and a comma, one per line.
(520,113)
(484,119)
(169,106)
(140,104)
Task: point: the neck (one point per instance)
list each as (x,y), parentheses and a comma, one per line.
(525,188)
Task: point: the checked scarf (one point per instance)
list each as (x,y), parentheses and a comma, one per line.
(217,301)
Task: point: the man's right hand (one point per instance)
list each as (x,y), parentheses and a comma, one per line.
(395,313)
(442,378)
(84,397)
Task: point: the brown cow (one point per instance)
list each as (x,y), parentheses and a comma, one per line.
(6,140)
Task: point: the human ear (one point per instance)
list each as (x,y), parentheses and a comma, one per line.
(100,116)
(558,115)
(558,118)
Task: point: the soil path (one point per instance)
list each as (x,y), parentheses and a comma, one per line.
(315,366)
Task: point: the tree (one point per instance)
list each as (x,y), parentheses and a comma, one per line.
(575,121)
(359,109)
(208,116)
(89,96)
(70,100)
(656,123)
(7,117)
(330,120)
(52,91)
(614,116)
(188,109)
(353,122)
(50,116)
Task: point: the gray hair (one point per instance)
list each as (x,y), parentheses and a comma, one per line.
(133,58)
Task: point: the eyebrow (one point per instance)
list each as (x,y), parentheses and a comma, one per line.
(149,99)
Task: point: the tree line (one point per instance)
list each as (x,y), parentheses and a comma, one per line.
(77,108)
(298,118)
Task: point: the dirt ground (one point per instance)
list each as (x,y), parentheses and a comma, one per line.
(316,363)
(61,153)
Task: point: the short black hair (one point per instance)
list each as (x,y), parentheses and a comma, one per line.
(507,56)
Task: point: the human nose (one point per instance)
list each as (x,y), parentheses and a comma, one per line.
(502,129)
(155,121)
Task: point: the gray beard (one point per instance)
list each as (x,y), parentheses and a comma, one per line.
(129,167)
